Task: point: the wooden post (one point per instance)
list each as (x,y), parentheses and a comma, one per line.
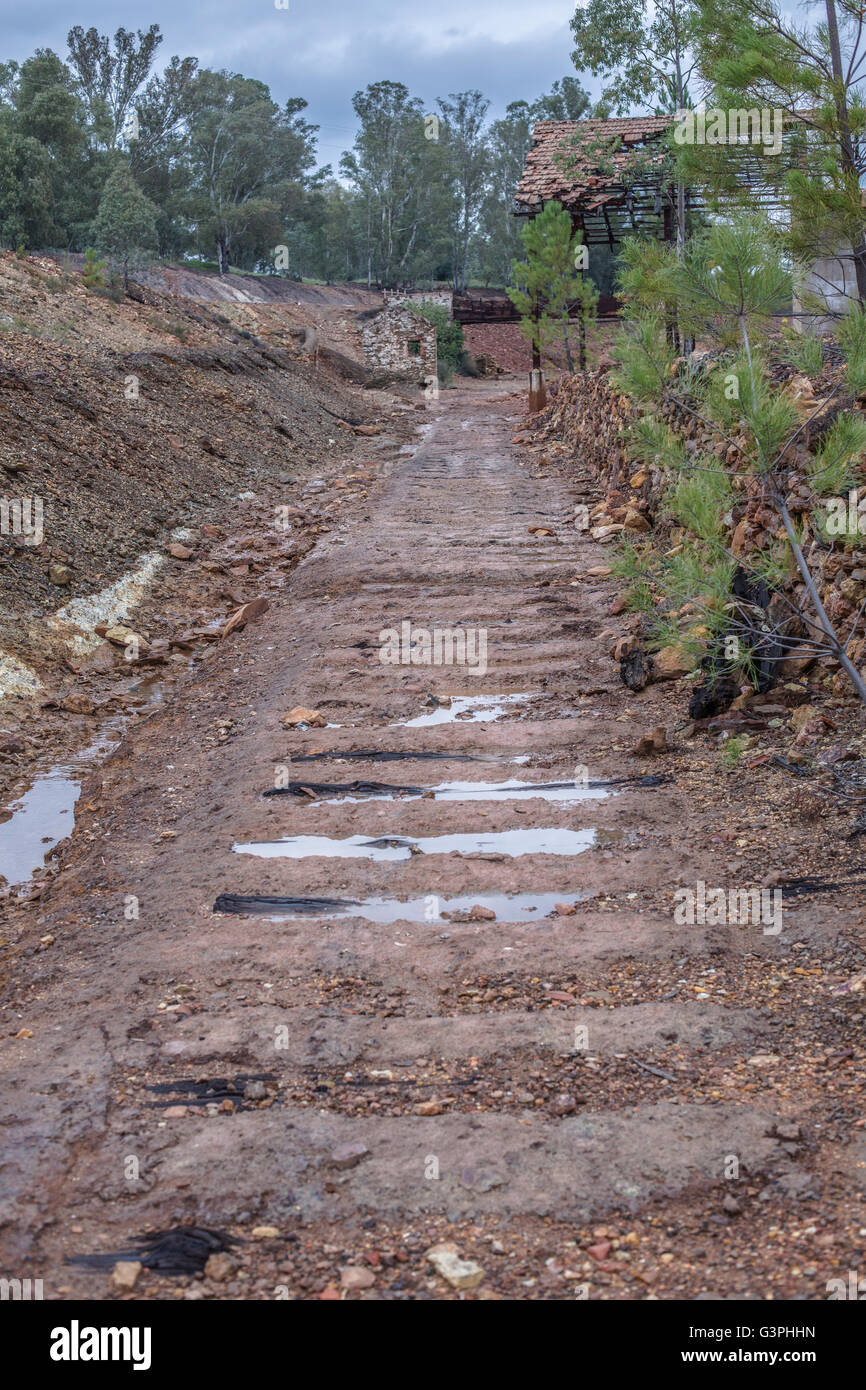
(536,350)
(537,392)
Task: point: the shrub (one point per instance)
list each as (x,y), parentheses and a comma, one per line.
(449,337)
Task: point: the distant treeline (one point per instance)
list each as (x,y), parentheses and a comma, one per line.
(100,150)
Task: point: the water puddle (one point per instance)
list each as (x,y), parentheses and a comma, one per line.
(354,793)
(391,848)
(478,708)
(37,821)
(519,907)
(379,755)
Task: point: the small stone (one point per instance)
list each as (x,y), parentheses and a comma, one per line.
(300,715)
(565,909)
(355,1277)
(255,1090)
(429,1107)
(563,1105)
(59,574)
(600,1251)
(125,1274)
(459,1273)
(670,663)
(176,1112)
(123,636)
(178,551)
(77,703)
(479,913)
(348,1155)
(788,1130)
(731,1206)
(219,1267)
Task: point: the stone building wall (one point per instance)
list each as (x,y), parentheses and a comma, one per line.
(443,297)
(400,340)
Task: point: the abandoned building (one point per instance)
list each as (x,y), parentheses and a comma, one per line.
(613,178)
(591,168)
(401,340)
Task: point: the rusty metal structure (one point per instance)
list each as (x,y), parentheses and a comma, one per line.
(609,175)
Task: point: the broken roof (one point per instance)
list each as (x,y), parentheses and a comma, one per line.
(564,161)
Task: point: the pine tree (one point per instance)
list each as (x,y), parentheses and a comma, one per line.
(725,290)
(548,285)
(125,225)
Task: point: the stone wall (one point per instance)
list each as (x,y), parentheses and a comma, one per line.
(401,341)
(443,297)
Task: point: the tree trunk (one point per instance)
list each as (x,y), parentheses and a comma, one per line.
(836,646)
(222,256)
(848,160)
(568,357)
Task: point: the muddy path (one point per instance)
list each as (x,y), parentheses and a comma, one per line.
(432,987)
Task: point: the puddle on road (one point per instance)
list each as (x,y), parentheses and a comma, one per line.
(478,708)
(518,907)
(390,848)
(34,823)
(44,815)
(566,793)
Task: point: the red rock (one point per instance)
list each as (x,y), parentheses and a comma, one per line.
(599,1252)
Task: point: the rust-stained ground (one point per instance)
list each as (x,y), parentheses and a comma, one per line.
(704,1136)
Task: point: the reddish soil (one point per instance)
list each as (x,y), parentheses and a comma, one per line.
(703,1137)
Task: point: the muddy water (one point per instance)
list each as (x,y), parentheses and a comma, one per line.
(468,708)
(45,814)
(35,822)
(516,907)
(511,843)
(566,793)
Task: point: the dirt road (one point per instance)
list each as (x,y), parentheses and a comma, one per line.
(588,1099)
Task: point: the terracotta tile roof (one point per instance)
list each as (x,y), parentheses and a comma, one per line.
(544,179)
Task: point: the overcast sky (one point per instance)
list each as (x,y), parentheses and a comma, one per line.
(325,50)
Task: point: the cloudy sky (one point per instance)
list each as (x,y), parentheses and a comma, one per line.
(325,50)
